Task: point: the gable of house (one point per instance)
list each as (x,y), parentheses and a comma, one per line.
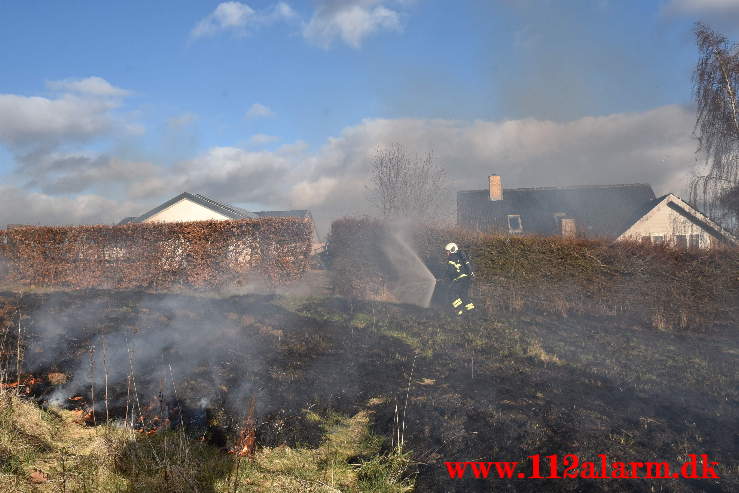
(185,210)
(197,207)
(669,219)
(191,207)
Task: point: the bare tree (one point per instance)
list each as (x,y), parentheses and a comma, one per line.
(405,186)
(715,85)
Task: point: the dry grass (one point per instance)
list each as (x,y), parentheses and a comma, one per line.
(537,351)
(330,466)
(47,451)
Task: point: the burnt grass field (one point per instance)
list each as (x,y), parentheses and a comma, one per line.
(502,386)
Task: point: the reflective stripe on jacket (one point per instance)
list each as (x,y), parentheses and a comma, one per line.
(458,267)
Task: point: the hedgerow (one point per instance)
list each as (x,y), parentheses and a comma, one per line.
(157,255)
(663,286)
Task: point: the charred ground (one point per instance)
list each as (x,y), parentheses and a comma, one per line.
(500,387)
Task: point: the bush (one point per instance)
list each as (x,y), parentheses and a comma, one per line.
(665,287)
(157,255)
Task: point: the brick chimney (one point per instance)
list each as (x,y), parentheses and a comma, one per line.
(568,227)
(496,187)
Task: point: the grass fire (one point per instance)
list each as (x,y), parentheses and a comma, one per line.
(369,246)
(202,390)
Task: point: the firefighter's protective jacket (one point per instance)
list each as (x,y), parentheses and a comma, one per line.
(459,266)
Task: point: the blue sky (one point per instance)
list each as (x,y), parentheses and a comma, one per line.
(107,108)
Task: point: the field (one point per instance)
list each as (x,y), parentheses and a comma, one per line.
(329,387)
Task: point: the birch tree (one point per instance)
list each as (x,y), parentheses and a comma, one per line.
(715,85)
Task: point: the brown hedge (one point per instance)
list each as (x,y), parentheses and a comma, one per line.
(202,254)
(665,287)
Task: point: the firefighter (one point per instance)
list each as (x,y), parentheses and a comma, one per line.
(460,274)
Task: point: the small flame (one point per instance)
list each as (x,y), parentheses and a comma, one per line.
(82,416)
(26,382)
(246,445)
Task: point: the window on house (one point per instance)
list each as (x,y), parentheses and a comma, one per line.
(695,241)
(646,240)
(681,241)
(514,223)
(658,239)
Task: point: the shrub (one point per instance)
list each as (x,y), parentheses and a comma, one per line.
(665,287)
(157,255)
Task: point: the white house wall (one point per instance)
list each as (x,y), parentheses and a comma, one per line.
(185,210)
(667,222)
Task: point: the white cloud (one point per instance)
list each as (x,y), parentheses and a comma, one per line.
(75,172)
(311,193)
(93,86)
(281,11)
(82,112)
(35,129)
(351,21)
(36,120)
(655,147)
(228,16)
(236,175)
(237,18)
(258,110)
(18,206)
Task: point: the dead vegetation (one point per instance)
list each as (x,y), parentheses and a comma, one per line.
(48,450)
(199,254)
(667,288)
(334,380)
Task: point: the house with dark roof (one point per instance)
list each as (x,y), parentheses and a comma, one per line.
(615,212)
(197,207)
(669,219)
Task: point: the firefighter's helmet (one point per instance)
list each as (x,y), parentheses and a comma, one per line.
(451,247)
